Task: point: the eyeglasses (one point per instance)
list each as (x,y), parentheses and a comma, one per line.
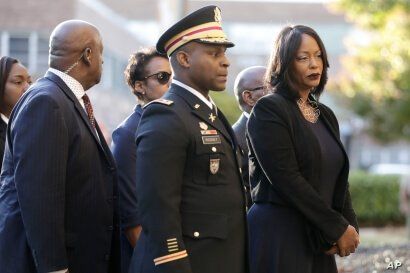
(162,77)
(257,88)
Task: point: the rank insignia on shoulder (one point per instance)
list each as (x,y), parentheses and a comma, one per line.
(161,101)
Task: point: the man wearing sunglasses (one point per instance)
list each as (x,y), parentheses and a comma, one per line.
(191,197)
(249,88)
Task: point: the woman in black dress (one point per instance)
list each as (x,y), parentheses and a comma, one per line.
(14,81)
(299,169)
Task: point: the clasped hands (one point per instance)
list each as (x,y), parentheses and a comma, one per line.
(346,244)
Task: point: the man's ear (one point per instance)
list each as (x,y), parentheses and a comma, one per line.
(247,98)
(183,59)
(87,55)
(139,87)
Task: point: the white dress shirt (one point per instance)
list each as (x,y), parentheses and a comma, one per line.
(4,118)
(76,87)
(72,83)
(198,94)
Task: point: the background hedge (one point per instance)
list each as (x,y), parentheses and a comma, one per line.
(226,101)
(376,199)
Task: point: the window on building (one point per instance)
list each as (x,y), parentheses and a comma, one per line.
(42,59)
(19,49)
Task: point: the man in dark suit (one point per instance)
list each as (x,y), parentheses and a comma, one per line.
(190,193)
(58,204)
(249,87)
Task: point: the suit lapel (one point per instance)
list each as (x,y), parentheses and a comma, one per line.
(80,110)
(104,146)
(202,111)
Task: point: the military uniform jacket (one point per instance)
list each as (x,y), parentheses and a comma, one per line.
(189,188)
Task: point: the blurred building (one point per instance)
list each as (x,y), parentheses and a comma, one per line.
(127,25)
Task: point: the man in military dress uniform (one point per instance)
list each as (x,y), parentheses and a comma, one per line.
(189,186)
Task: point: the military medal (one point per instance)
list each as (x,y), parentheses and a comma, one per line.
(212,117)
(214,165)
(209,132)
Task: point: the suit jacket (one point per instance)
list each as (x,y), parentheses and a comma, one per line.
(190,194)
(3,129)
(285,164)
(239,129)
(58,196)
(124,151)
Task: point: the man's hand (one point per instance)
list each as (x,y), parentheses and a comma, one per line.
(333,250)
(348,242)
(133,234)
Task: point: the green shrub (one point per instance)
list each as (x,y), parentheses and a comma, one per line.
(228,105)
(375,199)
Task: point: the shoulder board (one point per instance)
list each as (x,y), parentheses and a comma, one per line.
(161,101)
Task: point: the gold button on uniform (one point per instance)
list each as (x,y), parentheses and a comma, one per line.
(213,149)
(196,234)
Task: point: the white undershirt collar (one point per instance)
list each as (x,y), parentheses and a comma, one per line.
(198,94)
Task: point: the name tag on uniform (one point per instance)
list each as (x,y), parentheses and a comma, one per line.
(210,140)
(209,132)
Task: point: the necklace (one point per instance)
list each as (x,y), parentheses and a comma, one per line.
(310,110)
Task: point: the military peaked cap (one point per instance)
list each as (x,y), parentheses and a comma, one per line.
(203,26)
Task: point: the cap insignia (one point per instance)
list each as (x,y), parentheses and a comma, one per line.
(218,16)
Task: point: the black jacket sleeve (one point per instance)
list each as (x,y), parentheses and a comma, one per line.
(162,140)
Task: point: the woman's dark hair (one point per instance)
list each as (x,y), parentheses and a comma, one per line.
(135,70)
(5,67)
(280,68)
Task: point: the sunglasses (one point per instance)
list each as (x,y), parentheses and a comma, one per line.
(162,77)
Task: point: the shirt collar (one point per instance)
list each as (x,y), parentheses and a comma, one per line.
(209,102)
(4,118)
(72,83)
(246,114)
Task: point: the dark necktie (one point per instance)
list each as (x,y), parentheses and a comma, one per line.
(89,109)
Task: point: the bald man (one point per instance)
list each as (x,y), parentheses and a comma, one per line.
(58,195)
(249,87)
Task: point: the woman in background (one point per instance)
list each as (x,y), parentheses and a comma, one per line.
(148,75)
(299,169)
(14,81)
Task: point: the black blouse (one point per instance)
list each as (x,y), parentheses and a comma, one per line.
(332,160)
